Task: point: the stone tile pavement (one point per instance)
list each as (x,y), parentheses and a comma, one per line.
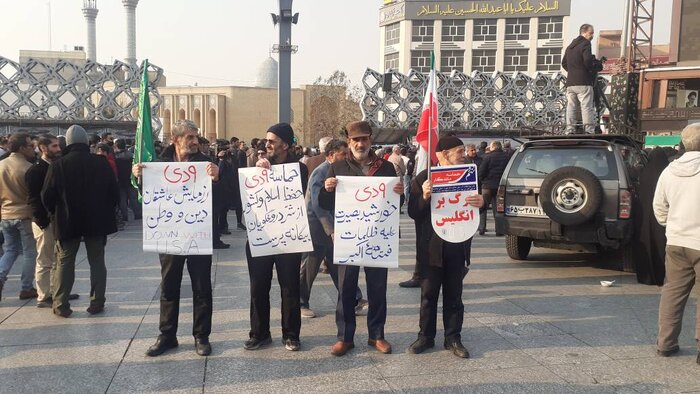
(545,325)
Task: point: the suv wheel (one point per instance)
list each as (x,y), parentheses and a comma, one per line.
(518,247)
(571,195)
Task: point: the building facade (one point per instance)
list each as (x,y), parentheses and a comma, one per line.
(247,112)
(485,35)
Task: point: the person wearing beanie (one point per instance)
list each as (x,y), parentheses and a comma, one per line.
(675,208)
(80,193)
(280,148)
(361,161)
(446,262)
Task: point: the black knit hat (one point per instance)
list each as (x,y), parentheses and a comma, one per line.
(284,131)
(448,142)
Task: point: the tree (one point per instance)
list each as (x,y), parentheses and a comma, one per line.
(335,101)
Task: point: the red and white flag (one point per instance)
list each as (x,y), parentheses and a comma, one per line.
(427,133)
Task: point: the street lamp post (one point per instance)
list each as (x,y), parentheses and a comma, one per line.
(285,18)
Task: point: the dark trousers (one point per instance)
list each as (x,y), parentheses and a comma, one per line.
(419,269)
(199,268)
(222,223)
(129,199)
(489,198)
(260,272)
(310,263)
(64,275)
(239,214)
(217,225)
(449,277)
(376,296)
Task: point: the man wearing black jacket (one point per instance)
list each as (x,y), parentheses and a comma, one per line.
(80,193)
(41,224)
(447,262)
(185,148)
(361,161)
(490,172)
(279,145)
(580,64)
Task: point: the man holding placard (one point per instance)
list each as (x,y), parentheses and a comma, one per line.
(180,231)
(447,208)
(278,232)
(362,162)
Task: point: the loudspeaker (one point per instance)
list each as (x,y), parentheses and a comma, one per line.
(386,82)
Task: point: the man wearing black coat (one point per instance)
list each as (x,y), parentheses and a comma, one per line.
(490,172)
(279,145)
(127,193)
(580,65)
(361,161)
(447,262)
(41,223)
(80,193)
(185,148)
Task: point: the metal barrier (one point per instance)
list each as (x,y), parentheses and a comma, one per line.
(479,101)
(65,91)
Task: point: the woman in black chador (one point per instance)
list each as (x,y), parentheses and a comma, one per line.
(649,252)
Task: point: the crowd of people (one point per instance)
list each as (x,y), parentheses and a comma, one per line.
(56,192)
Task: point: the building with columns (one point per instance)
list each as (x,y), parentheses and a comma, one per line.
(246,112)
(486,35)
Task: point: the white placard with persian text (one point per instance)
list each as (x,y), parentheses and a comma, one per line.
(177,208)
(454,220)
(366,222)
(275,210)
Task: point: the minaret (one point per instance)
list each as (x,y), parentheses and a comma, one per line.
(130,6)
(90,12)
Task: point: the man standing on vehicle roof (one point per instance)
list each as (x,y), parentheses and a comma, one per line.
(579,62)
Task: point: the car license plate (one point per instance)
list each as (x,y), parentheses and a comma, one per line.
(516,210)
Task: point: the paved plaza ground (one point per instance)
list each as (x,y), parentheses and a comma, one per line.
(544,325)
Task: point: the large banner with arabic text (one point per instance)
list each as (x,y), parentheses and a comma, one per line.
(366,222)
(454,220)
(177,208)
(274,209)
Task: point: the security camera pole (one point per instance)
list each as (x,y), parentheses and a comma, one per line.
(285,50)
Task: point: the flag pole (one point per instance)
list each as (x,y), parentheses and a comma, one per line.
(430,116)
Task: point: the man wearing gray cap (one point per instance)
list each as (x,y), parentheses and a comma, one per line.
(80,193)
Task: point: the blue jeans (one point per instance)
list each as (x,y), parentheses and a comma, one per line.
(580,97)
(19,239)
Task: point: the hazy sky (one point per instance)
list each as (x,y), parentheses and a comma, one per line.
(222,42)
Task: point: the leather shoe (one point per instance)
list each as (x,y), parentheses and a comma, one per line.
(420,345)
(380,344)
(413,282)
(457,349)
(697,360)
(241,226)
(95,309)
(161,346)
(221,245)
(340,348)
(28,294)
(202,346)
(667,353)
(482,232)
(255,343)
(226,232)
(63,312)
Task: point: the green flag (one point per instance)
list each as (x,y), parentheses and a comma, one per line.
(144,151)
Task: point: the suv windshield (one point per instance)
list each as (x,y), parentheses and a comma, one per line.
(538,162)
